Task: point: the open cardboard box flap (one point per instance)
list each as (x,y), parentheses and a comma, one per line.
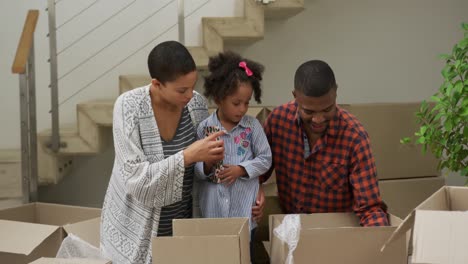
(36,230)
(49,214)
(88,230)
(13,234)
(436,215)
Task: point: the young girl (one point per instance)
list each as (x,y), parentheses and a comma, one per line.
(230,189)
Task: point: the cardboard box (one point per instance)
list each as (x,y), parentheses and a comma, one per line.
(386,124)
(215,240)
(403,195)
(23,242)
(337,238)
(88,230)
(440,230)
(70,261)
(49,214)
(35,230)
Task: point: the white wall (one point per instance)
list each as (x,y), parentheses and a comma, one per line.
(12,16)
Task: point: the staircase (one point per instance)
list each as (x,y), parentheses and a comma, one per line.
(94,118)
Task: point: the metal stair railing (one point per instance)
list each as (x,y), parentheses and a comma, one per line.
(24,66)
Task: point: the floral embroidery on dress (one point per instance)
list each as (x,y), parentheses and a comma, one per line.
(243,140)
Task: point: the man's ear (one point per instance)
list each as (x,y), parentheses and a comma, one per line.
(294,93)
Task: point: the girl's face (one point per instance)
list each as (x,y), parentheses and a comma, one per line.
(233,107)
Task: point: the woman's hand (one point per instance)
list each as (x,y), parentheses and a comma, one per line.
(230,173)
(207,150)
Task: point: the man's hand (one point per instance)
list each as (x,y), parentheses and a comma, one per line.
(257,209)
(230,173)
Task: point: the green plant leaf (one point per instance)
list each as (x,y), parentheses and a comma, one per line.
(424,148)
(449,89)
(405,140)
(463,43)
(438,116)
(423,108)
(447,71)
(464,112)
(435,98)
(446,57)
(423,130)
(448,124)
(421,140)
(464,26)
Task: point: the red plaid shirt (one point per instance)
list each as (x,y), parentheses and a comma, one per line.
(338,176)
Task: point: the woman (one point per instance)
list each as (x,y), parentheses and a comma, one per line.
(155,152)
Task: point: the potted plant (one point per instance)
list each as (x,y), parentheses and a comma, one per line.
(444,121)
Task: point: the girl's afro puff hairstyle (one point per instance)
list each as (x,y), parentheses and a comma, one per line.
(226,75)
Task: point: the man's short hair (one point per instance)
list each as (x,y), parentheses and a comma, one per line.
(314,78)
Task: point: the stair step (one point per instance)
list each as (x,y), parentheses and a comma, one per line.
(100,111)
(234,29)
(282,9)
(75,145)
(10,155)
(131,81)
(10,173)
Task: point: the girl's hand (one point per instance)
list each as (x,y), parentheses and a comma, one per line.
(230,174)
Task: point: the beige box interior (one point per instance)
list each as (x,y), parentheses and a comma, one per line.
(403,195)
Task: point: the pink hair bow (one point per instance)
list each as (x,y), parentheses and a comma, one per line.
(243,65)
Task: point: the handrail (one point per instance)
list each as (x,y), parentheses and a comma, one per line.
(24,66)
(25,43)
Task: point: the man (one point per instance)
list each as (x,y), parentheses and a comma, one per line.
(321,153)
